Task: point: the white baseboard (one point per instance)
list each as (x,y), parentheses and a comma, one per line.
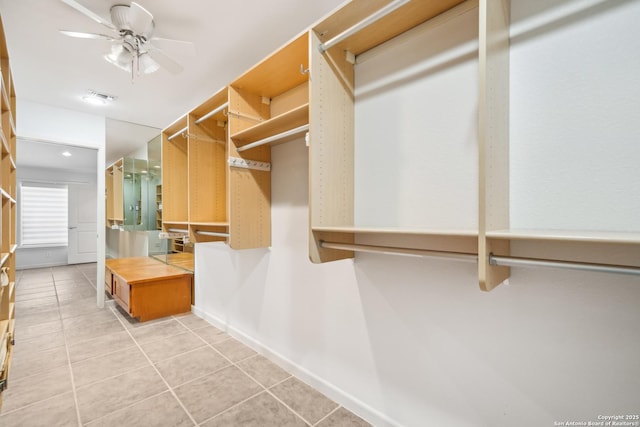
(346,400)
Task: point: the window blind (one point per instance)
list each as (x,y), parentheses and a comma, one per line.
(44,215)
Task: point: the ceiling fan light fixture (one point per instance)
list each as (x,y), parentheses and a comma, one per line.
(121,57)
(146,64)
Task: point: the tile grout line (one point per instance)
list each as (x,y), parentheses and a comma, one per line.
(66,347)
(328,415)
(158,372)
(131,405)
(251,377)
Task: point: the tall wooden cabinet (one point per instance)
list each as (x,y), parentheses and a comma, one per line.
(7,214)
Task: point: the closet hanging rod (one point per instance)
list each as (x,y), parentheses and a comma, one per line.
(299,129)
(572,265)
(323,47)
(178,230)
(212,112)
(212,233)
(457,256)
(184,129)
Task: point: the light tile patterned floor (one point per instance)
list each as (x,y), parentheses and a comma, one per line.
(75,364)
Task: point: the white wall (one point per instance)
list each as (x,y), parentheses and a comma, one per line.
(414,342)
(409,341)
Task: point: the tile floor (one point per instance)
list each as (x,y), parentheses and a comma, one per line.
(77,365)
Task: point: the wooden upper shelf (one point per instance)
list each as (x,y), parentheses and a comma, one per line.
(291,119)
(279,72)
(401,20)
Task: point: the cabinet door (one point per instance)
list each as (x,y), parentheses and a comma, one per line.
(108,281)
(121,291)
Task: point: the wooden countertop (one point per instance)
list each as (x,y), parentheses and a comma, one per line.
(183,260)
(138,270)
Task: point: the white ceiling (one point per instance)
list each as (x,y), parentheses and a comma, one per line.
(229,38)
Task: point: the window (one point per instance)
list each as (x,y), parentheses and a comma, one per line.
(44,214)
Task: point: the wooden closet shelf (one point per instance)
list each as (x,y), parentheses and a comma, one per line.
(398,230)
(399,21)
(209,224)
(291,119)
(567,236)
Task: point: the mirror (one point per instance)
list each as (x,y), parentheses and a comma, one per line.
(142,190)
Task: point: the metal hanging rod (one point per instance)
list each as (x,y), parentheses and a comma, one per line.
(212,233)
(323,47)
(205,138)
(212,112)
(572,265)
(299,129)
(457,256)
(178,230)
(184,129)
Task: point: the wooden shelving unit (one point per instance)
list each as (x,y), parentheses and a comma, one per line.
(332,154)
(194,168)
(159,207)
(310,85)
(7,213)
(208,169)
(269,99)
(114,188)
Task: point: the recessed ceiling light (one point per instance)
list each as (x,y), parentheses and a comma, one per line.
(157,166)
(95,98)
(66,153)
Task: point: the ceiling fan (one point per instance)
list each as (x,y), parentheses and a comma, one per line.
(131,28)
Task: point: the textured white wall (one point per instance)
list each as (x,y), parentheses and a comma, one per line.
(575,128)
(414,342)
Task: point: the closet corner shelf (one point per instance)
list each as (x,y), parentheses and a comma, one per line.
(291,119)
(567,236)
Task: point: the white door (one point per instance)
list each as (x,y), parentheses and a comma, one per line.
(83,233)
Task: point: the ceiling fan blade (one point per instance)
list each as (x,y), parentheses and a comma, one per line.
(172,45)
(99,19)
(140,19)
(165,61)
(80,35)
